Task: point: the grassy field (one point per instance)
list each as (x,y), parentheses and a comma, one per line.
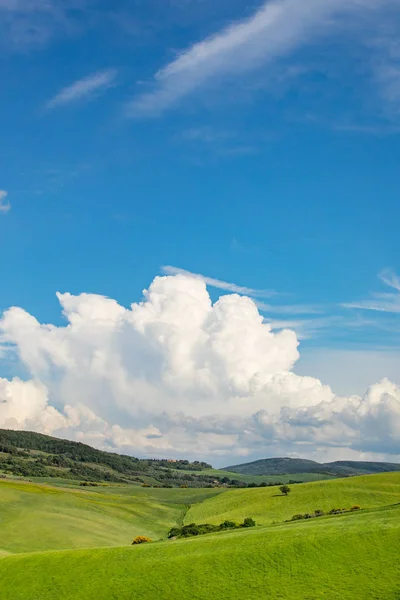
(41,517)
(267,478)
(267,505)
(348,557)
(74,543)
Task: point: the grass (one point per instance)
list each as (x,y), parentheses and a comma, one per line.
(267,478)
(348,557)
(42,517)
(267,505)
(74,543)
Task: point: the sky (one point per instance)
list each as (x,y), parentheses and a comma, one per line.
(199,208)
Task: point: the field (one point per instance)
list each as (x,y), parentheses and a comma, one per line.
(338,558)
(41,517)
(267,478)
(267,505)
(354,556)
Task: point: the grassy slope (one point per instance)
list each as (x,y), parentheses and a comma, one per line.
(39,517)
(267,478)
(337,558)
(267,505)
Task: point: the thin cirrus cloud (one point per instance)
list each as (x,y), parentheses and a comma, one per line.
(278,28)
(219,284)
(387,302)
(255,294)
(83,89)
(5,205)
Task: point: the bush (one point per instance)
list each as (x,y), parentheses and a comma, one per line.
(193,529)
(319,513)
(249,522)
(141,539)
(228,525)
(356,507)
(285,489)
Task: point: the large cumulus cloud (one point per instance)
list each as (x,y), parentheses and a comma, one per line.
(177,374)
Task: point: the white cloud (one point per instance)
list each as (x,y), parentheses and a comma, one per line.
(5,206)
(83,88)
(178,375)
(221,285)
(386,302)
(274,31)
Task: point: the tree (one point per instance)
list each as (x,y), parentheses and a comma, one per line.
(285,489)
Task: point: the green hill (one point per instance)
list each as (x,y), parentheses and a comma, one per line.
(42,458)
(282,466)
(268,505)
(349,557)
(41,517)
(33,455)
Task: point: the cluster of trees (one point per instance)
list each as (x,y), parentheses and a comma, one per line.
(321,513)
(184,465)
(193,529)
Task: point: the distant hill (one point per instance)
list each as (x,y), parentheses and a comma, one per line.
(33,455)
(284,466)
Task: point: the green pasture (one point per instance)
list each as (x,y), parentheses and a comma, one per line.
(267,505)
(41,517)
(347,557)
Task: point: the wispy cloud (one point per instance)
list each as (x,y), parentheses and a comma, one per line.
(5,205)
(275,30)
(219,284)
(256,294)
(387,302)
(83,88)
(290,309)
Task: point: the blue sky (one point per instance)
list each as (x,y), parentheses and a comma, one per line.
(254,143)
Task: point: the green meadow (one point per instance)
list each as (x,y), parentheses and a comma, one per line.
(349,557)
(304,477)
(267,505)
(75,544)
(41,517)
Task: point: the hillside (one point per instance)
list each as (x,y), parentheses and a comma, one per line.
(41,517)
(281,466)
(268,505)
(285,562)
(42,458)
(33,455)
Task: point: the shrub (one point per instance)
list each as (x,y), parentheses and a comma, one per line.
(228,525)
(141,539)
(319,513)
(285,489)
(249,522)
(297,517)
(356,507)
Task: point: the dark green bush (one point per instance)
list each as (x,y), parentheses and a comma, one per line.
(249,522)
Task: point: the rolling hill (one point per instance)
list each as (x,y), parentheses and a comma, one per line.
(349,557)
(72,543)
(43,517)
(268,506)
(282,466)
(33,455)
